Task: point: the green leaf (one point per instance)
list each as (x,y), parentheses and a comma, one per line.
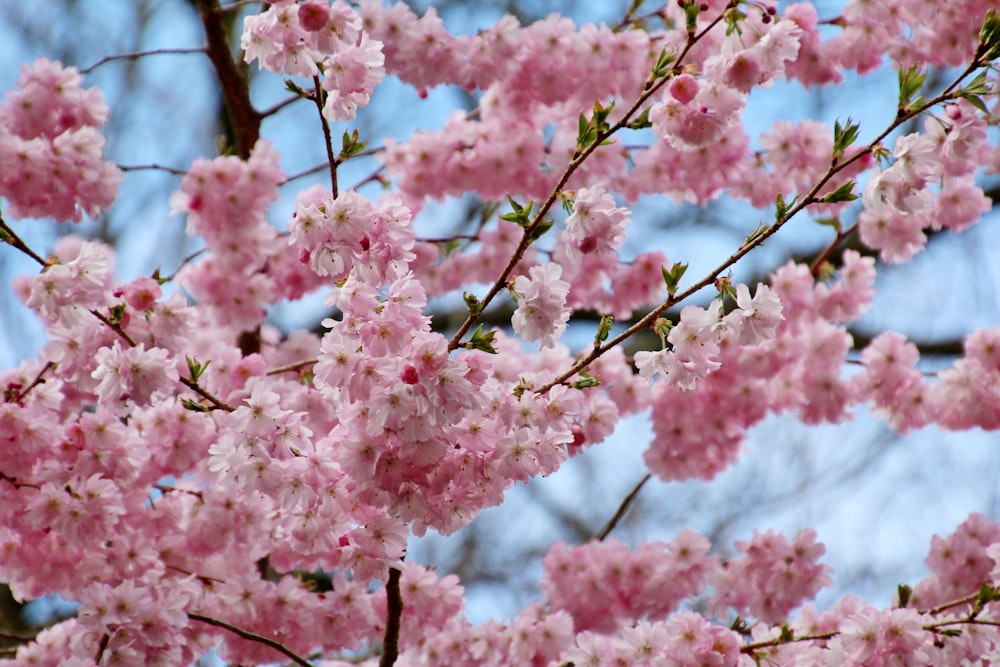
(641,121)
(977,86)
(586,382)
(786,634)
(672,278)
(296,89)
(911,80)
(473,303)
(989,38)
(603,329)
(544,225)
(481,341)
(987,593)
(350,146)
(830,222)
(757,233)
(521,214)
(843,136)
(116,313)
(783,207)
(844,193)
(567,202)
(733,19)
(976,101)
(192,405)
(904,593)
(663,63)
(691,11)
(196,369)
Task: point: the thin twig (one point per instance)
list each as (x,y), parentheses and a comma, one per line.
(139,54)
(287,368)
(114,327)
(779,641)
(252,636)
(10,237)
(270,111)
(157,167)
(327,140)
(622,508)
(216,403)
(183,263)
(320,167)
(39,379)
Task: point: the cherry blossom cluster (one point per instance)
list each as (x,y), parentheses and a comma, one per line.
(198,479)
(316,38)
(51,149)
(899,202)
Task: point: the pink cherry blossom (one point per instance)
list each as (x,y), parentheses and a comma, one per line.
(541,297)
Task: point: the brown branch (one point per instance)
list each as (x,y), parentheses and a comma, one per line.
(244,119)
(779,641)
(287,368)
(139,54)
(393,613)
(10,237)
(327,140)
(39,379)
(251,636)
(271,110)
(216,403)
(159,167)
(622,508)
(114,327)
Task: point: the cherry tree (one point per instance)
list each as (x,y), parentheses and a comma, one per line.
(197,479)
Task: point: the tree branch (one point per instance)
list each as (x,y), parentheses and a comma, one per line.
(625,504)
(244,119)
(251,636)
(138,54)
(393,613)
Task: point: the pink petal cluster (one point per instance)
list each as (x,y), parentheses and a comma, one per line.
(541,304)
(595,226)
(312,38)
(51,150)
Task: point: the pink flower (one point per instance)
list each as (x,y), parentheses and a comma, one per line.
(541,304)
(757,318)
(596,224)
(131,376)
